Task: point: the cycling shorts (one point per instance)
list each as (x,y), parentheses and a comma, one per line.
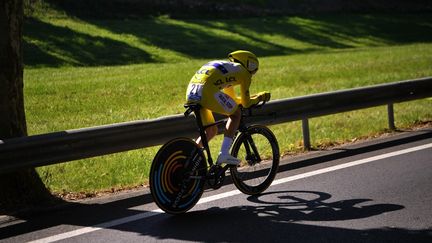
(218,102)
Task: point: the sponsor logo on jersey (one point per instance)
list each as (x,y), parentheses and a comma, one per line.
(227,103)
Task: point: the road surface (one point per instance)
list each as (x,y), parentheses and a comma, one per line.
(376,191)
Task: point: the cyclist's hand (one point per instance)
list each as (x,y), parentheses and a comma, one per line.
(260,97)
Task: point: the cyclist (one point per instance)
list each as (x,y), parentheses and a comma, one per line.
(212,87)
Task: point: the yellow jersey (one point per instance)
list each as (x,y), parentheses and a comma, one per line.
(212,87)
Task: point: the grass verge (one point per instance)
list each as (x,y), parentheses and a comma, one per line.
(82,73)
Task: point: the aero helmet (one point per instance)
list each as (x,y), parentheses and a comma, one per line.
(246,58)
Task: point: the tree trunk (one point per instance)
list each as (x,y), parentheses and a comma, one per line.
(22,188)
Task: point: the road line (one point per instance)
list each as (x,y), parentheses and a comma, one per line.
(353,163)
(152,213)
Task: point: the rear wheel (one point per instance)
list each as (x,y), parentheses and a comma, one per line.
(177,175)
(258,150)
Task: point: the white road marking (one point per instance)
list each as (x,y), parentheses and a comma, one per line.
(353,163)
(149,214)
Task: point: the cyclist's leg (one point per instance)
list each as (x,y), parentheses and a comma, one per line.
(233,123)
(227,105)
(231,127)
(207,118)
(234,113)
(221,103)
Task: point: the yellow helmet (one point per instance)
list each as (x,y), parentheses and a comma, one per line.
(245,58)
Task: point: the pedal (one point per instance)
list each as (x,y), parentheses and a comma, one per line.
(216,176)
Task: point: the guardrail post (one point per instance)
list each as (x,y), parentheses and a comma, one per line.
(306,134)
(390,112)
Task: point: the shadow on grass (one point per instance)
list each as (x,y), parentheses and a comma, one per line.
(48,45)
(334,31)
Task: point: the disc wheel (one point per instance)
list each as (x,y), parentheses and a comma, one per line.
(177,175)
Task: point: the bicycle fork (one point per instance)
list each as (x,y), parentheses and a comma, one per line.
(252,154)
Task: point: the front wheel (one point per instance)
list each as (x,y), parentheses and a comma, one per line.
(258,150)
(177,175)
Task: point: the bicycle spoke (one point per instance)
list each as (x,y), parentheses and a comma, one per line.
(259,154)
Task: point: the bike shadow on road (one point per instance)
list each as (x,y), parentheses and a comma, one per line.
(294,212)
(284,216)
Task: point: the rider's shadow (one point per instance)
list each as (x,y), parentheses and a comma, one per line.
(314,206)
(283,216)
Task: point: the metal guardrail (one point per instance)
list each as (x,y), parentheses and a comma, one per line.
(39,150)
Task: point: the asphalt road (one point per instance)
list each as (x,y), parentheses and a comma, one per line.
(376,191)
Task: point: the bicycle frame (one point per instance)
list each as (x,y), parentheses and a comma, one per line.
(195,108)
(180,169)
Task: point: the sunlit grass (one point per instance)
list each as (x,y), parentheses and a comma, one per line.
(68,98)
(73,87)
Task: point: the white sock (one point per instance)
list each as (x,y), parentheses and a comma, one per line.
(226,145)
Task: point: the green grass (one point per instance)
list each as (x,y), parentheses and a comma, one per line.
(82,73)
(67,41)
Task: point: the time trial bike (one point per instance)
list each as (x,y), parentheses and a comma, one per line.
(180,169)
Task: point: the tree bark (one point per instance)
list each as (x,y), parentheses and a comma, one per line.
(22,188)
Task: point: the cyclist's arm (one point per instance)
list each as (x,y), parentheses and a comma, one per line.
(230,91)
(246,99)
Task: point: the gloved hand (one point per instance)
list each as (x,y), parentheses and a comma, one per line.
(260,97)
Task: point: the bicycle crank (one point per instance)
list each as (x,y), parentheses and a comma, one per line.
(216,176)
